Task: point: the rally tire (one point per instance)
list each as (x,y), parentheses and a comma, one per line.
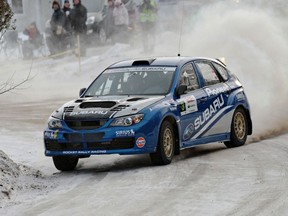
(166,145)
(239,129)
(65,163)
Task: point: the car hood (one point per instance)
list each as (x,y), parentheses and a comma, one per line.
(104,107)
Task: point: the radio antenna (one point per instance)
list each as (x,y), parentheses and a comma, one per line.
(181,28)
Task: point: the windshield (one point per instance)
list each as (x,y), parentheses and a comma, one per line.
(132,81)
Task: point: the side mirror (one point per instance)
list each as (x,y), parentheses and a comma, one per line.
(181,89)
(82,90)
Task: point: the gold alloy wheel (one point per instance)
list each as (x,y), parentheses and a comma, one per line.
(240,126)
(168,142)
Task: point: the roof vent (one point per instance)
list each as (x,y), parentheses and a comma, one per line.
(143,62)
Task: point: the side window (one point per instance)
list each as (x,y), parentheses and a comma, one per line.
(208,73)
(189,77)
(223,72)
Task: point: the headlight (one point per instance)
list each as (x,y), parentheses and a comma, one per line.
(90,20)
(127,120)
(54,123)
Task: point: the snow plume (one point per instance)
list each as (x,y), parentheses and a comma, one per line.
(253,39)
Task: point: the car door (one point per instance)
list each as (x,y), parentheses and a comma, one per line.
(215,116)
(188,103)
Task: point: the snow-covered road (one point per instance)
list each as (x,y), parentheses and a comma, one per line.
(205,180)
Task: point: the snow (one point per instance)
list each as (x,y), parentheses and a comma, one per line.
(205,180)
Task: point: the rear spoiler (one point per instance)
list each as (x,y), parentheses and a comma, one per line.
(222,60)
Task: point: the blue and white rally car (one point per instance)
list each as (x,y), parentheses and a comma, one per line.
(152,106)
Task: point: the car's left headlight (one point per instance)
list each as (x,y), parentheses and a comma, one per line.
(54,123)
(127,120)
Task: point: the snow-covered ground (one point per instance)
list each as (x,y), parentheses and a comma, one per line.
(206,180)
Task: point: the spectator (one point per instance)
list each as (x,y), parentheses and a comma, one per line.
(34,34)
(35,40)
(121,20)
(78,16)
(109,20)
(66,9)
(57,22)
(148,12)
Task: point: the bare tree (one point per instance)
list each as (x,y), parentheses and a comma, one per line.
(6,15)
(7,23)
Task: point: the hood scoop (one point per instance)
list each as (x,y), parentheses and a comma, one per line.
(68,109)
(135,99)
(102,104)
(120,107)
(79,100)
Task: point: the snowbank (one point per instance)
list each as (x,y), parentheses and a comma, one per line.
(16,178)
(9,174)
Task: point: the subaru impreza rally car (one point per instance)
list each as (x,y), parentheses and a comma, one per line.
(155,106)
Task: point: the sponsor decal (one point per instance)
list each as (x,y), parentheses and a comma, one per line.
(217,104)
(188,132)
(88,112)
(51,134)
(140,142)
(172,109)
(124,133)
(187,104)
(55,134)
(85,152)
(140,69)
(216,91)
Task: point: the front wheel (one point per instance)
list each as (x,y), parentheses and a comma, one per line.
(65,163)
(166,145)
(239,129)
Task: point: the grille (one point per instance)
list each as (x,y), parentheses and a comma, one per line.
(53,145)
(93,136)
(73,137)
(85,125)
(77,137)
(117,143)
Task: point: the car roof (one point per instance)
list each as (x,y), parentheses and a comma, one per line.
(161,61)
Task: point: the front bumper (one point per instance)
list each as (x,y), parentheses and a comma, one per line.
(90,142)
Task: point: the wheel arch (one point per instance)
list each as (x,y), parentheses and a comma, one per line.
(249,121)
(172,120)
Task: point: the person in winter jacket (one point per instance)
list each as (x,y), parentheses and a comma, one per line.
(57,30)
(121,20)
(57,20)
(66,9)
(109,20)
(147,15)
(78,18)
(35,40)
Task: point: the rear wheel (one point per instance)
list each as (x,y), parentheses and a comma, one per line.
(65,163)
(166,145)
(239,129)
